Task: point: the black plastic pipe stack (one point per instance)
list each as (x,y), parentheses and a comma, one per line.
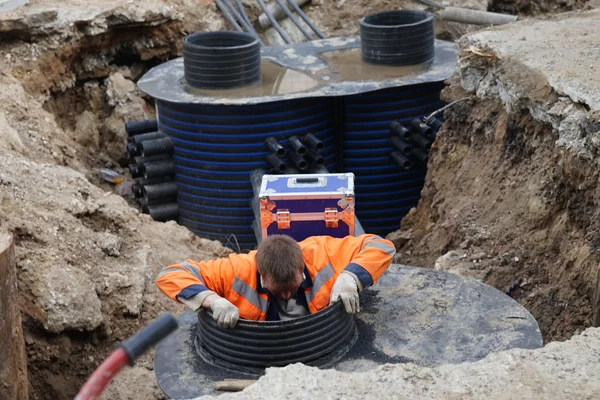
(151,165)
(412,144)
(303,155)
(221,60)
(397,38)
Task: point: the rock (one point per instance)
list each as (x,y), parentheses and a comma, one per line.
(68,298)
(94,95)
(113,136)
(112,282)
(86,131)
(455,262)
(119,90)
(9,138)
(561,370)
(400,237)
(109,243)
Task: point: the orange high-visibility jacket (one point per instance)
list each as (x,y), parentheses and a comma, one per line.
(236,277)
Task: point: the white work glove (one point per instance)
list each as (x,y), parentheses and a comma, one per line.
(225,313)
(346,288)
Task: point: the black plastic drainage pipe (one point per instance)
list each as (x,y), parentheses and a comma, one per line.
(401,160)
(421,141)
(277,27)
(228,16)
(291,16)
(297,145)
(400,130)
(221,60)
(157,146)
(305,18)
(143,126)
(298,160)
(315,157)
(164,212)
(402,37)
(159,190)
(138,139)
(313,142)
(277,163)
(401,145)
(273,145)
(158,168)
(422,128)
(140,160)
(435,123)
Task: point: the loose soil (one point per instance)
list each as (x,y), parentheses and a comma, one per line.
(54,77)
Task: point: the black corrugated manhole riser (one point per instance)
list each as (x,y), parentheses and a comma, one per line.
(317,340)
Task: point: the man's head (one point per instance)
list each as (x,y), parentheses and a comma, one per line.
(280,263)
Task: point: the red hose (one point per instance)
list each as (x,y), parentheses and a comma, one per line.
(103,375)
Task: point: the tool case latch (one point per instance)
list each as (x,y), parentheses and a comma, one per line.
(283,219)
(331,218)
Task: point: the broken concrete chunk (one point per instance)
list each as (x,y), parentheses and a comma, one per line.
(9,138)
(456,262)
(68,298)
(110,244)
(86,131)
(119,89)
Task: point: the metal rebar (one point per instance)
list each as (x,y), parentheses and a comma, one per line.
(228,16)
(305,18)
(277,27)
(236,14)
(294,19)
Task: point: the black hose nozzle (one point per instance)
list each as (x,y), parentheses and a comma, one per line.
(420,155)
(143,126)
(158,168)
(402,160)
(277,163)
(401,145)
(156,146)
(421,127)
(297,145)
(400,130)
(150,335)
(298,160)
(421,141)
(315,157)
(313,142)
(274,146)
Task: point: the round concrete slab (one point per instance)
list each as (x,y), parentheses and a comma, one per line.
(411,314)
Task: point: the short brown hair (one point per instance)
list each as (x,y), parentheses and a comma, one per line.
(279,258)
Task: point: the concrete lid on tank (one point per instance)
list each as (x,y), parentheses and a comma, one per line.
(411,314)
(328,67)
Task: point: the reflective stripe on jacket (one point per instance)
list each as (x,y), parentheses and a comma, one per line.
(236,277)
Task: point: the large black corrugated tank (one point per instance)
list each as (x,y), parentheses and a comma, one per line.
(217,147)
(384,191)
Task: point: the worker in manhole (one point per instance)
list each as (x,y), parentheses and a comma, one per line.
(282,279)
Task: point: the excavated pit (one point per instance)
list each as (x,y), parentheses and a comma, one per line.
(61,222)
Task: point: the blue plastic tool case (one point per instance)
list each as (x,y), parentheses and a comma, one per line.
(304,205)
